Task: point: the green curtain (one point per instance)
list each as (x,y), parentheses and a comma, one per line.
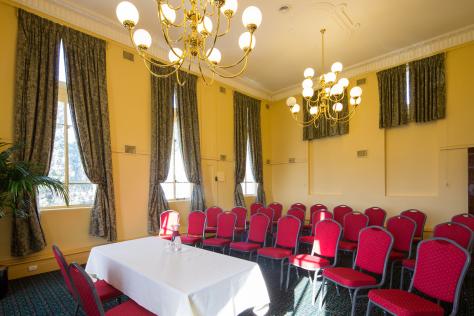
(85,62)
(324,127)
(188,125)
(255,143)
(162,117)
(36,99)
(240,146)
(428,88)
(392,97)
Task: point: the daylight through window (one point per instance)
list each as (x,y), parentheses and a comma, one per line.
(249,186)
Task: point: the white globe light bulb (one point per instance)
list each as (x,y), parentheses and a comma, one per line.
(356,92)
(172,54)
(205,27)
(336,67)
(214,56)
(309,73)
(127,13)
(295,108)
(327,90)
(358,101)
(330,77)
(291,101)
(337,107)
(352,101)
(344,82)
(244,41)
(307,83)
(308,92)
(167,14)
(230,7)
(336,89)
(142,39)
(313,110)
(252,17)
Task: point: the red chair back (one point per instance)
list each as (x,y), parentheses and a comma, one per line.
(376,216)
(268,211)
(466,219)
(326,238)
(288,230)
(420,219)
(340,211)
(299,205)
(440,268)
(403,231)
(211,216)
(258,229)
(241,213)
(58,255)
(277,210)
(196,223)
(316,207)
(254,207)
(168,219)
(298,213)
(319,215)
(86,291)
(354,222)
(226,225)
(375,244)
(459,233)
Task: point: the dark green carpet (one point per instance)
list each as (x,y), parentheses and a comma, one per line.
(45,294)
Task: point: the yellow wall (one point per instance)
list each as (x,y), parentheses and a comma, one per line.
(416,166)
(129,105)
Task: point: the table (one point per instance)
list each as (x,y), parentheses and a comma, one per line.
(191,282)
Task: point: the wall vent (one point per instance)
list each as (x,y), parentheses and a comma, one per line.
(128,56)
(361,81)
(291,160)
(222,157)
(362,153)
(129,149)
(222,90)
(269,161)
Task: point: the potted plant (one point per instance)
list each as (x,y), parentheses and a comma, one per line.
(18,181)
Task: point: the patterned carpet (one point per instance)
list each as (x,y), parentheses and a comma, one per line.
(46,294)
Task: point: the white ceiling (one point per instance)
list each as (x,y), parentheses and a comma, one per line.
(357,30)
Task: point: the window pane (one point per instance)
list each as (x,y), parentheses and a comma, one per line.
(47,198)
(248,167)
(62,69)
(183,190)
(170,177)
(76,169)
(168,189)
(251,188)
(57,169)
(81,194)
(179,167)
(60,114)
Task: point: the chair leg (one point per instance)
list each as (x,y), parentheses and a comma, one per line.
(337,290)
(391,274)
(314,295)
(309,277)
(76,311)
(281,273)
(402,274)
(323,294)
(288,272)
(354,302)
(369,308)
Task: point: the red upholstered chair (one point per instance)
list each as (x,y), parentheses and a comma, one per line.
(169,220)
(466,219)
(340,211)
(254,207)
(439,272)
(369,268)
(317,216)
(324,252)
(211,217)
(354,222)
(314,208)
(105,291)
(277,210)
(196,227)
(298,213)
(286,242)
(90,301)
(241,223)
(269,212)
(376,216)
(256,238)
(420,219)
(299,205)
(225,232)
(403,231)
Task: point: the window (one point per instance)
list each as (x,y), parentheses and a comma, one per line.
(66,164)
(249,186)
(176,186)
(407,78)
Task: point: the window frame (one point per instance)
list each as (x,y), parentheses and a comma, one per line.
(246,181)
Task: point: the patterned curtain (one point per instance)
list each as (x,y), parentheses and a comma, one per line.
(323,127)
(393,98)
(162,116)
(188,125)
(85,63)
(255,142)
(36,99)
(428,88)
(240,145)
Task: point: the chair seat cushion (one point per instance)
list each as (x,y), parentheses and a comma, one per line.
(397,255)
(211,230)
(349,277)
(128,308)
(409,264)
(309,262)
(167,237)
(239,229)
(217,242)
(245,246)
(403,303)
(275,253)
(347,245)
(106,291)
(190,240)
(307,239)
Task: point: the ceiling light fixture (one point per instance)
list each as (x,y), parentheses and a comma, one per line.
(197,39)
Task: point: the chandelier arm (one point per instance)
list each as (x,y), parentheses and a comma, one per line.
(158,75)
(207,83)
(214,41)
(241,71)
(244,57)
(174,41)
(162,19)
(304,123)
(227,30)
(167,2)
(181,58)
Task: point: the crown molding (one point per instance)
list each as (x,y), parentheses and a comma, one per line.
(400,56)
(74,14)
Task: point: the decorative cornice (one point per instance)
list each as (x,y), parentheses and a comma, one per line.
(400,56)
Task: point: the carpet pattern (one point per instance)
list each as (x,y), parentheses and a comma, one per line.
(45,294)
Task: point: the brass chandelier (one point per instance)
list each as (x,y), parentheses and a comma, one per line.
(192,39)
(327,102)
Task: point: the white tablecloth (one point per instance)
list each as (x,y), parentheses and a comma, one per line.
(191,282)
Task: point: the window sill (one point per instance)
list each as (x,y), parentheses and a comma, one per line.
(65,208)
(250,195)
(187,200)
